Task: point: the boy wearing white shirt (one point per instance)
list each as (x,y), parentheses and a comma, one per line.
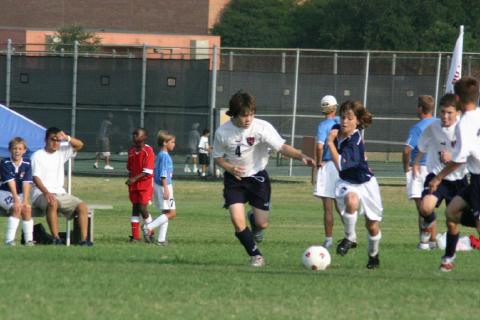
(241,149)
(437,142)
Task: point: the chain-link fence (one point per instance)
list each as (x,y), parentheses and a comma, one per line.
(177,88)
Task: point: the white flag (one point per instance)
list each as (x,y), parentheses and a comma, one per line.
(455,71)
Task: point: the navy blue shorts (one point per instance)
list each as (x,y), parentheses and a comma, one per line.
(469,217)
(255,190)
(203,159)
(446,189)
(471,194)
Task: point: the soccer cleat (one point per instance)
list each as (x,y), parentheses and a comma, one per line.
(85,243)
(433,245)
(373,262)
(258,233)
(423,246)
(147,233)
(29,244)
(10,243)
(327,243)
(162,243)
(344,246)
(108,167)
(133,240)
(257,261)
(57,242)
(446,264)
(95,165)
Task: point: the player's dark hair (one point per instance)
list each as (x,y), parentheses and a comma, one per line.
(164,136)
(426,103)
(467,89)
(449,100)
(51,131)
(15,141)
(205,131)
(141,129)
(241,103)
(364,117)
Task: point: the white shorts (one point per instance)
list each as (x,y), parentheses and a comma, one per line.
(368,193)
(159,202)
(6,199)
(327,177)
(415,186)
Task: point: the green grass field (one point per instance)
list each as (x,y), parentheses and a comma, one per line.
(204,272)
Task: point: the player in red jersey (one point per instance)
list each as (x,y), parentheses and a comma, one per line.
(140,164)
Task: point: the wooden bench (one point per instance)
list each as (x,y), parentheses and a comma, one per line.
(36,212)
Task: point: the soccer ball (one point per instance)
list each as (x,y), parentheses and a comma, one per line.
(316,258)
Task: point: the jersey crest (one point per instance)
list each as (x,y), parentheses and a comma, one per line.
(250,141)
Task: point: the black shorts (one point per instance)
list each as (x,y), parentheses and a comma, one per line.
(469,217)
(203,158)
(471,194)
(446,189)
(255,190)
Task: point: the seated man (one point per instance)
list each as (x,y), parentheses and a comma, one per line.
(48,173)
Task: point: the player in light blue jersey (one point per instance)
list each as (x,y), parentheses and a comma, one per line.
(415,183)
(327,174)
(162,189)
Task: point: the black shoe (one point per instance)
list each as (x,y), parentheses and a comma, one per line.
(85,243)
(133,240)
(58,242)
(344,246)
(373,262)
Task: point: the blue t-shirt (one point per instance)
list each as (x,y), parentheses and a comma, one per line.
(414,135)
(21,174)
(353,166)
(163,168)
(323,130)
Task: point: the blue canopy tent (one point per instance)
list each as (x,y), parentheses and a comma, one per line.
(13,124)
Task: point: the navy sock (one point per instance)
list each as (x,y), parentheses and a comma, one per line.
(246,239)
(452,240)
(429,219)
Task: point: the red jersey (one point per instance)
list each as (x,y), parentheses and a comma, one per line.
(139,162)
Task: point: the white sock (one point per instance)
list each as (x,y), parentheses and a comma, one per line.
(157,222)
(373,244)
(149,219)
(27,227)
(162,232)
(12,225)
(349,223)
(329,239)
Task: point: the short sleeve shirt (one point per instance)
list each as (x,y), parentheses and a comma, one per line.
(467,147)
(9,171)
(142,161)
(413,135)
(323,131)
(163,168)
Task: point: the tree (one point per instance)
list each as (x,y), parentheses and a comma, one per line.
(65,38)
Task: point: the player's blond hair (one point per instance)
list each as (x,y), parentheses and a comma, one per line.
(15,141)
(164,136)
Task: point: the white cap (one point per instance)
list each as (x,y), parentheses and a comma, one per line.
(328,103)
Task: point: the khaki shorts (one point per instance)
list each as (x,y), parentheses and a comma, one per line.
(66,203)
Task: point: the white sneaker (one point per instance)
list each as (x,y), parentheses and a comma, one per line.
(327,243)
(447,264)
(257,261)
(95,165)
(187,170)
(423,246)
(10,243)
(108,167)
(29,244)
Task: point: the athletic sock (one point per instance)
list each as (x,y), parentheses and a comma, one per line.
(374,244)
(430,218)
(157,222)
(162,232)
(246,239)
(349,223)
(27,227)
(451,247)
(149,219)
(135,223)
(12,225)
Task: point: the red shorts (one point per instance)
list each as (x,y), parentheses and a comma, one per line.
(140,196)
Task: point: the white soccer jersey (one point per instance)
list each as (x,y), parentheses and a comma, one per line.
(436,139)
(467,147)
(247,147)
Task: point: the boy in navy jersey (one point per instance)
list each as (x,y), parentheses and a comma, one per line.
(16,180)
(357,190)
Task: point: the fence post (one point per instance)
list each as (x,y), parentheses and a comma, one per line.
(143,88)
(294,112)
(230,61)
(74,89)
(284,66)
(437,82)
(367,71)
(8,73)
(213,99)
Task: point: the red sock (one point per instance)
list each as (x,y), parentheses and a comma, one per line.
(135,222)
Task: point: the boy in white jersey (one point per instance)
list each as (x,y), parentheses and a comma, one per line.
(437,142)
(464,208)
(241,149)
